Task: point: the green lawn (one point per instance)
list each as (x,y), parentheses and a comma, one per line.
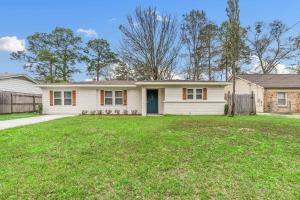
(16,116)
(170,157)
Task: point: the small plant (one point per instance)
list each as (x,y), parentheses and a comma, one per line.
(117,111)
(84,112)
(108,111)
(134,112)
(125,112)
(93,112)
(226,108)
(99,112)
(40,109)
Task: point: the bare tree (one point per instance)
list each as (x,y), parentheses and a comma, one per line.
(149,44)
(271,45)
(192,28)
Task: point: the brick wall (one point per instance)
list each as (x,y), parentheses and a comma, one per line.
(271,105)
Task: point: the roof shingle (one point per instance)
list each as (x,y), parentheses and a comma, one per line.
(273,80)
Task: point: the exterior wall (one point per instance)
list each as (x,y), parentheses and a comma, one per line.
(245,87)
(19,85)
(214,105)
(293,99)
(89,99)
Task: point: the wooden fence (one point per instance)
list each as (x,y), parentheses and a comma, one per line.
(244,103)
(11,102)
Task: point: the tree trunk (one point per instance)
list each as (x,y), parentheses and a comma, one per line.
(209,63)
(226,69)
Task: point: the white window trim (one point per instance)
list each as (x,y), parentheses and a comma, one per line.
(62,95)
(70,98)
(286,100)
(194,94)
(61,98)
(113,97)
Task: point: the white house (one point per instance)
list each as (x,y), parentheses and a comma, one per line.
(145,97)
(20,83)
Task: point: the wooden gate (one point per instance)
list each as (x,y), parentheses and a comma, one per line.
(11,102)
(244,103)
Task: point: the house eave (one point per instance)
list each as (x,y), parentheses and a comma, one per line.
(85,86)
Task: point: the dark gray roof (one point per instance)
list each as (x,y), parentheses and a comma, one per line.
(273,80)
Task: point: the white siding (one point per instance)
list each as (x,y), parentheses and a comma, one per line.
(89,99)
(19,85)
(214,105)
(245,87)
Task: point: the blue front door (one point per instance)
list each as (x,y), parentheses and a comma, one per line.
(152,101)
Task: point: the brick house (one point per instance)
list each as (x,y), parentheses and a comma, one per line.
(278,93)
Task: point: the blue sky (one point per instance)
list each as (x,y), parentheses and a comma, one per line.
(20,18)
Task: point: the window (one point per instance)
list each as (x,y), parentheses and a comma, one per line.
(281,98)
(57,98)
(190,94)
(198,93)
(194,94)
(108,98)
(67,98)
(118,98)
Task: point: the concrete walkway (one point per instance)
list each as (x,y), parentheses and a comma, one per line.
(30,120)
(295,116)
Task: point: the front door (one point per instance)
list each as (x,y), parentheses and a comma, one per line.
(152,101)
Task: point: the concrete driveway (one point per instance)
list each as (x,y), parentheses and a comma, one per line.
(30,120)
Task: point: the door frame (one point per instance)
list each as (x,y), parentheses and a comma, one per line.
(157,100)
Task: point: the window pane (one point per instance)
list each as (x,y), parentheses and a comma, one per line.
(108,93)
(281,102)
(108,101)
(67,102)
(190,91)
(57,95)
(281,95)
(199,96)
(119,101)
(190,96)
(199,91)
(118,93)
(57,101)
(67,95)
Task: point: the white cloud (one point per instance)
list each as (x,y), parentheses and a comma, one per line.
(112,19)
(11,44)
(254,67)
(88,32)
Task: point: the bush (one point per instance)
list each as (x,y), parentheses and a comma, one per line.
(125,112)
(226,108)
(99,112)
(117,111)
(40,109)
(93,112)
(134,112)
(108,111)
(84,112)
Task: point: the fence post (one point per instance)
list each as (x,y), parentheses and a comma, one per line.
(33,103)
(11,103)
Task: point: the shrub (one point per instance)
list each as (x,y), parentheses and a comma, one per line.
(84,112)
(108,111)
(134,112)
(117,111)
(226,108)
(93,112)
(40,109)
(99,112)
(125,112)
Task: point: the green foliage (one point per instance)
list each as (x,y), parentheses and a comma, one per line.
(98,55)
(226,108)
(16,116)
(40,109)
(172,157)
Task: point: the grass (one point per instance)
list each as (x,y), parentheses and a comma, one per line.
(16,116)
(170,157)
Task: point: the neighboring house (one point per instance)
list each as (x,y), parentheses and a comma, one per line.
(145,97)
(19,83)
(273,92)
